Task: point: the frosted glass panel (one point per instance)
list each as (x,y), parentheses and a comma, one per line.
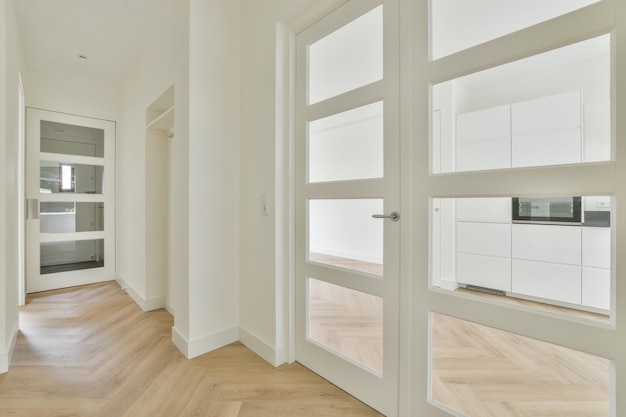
(347,146)
(348,58)
(343,233)
(348,322)
(480,371)
(549,109)
(461,24)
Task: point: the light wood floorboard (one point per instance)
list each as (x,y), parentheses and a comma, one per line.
(91,352)
(480,371)
(485,372)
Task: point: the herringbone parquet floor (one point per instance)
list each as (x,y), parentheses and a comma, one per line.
(486,372)
(91,352)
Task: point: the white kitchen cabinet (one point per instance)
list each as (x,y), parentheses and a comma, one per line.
(596,247)
(596,260)
(484,254)
(487,210)
(596,287)
(484,271)
(547,280)
(547,130)
(483,139)
(547,243)
(492,239)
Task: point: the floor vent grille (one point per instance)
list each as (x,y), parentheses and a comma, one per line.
(484,289)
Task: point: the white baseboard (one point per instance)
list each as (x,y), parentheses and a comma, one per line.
(275,356)
(170,308)
(205,344)
(146,304)
(5,357)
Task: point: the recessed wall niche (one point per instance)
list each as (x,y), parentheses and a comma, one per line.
(159,130)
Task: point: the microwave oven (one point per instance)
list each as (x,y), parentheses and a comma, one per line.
(547,210)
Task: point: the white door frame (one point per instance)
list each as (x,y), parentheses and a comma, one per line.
(34,282)
(21,195)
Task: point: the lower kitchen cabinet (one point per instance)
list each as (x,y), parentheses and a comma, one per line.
(484,271)
(555,244)
(551,281)
(596,247)
(596,288)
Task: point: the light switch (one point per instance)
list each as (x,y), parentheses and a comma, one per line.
(265,204)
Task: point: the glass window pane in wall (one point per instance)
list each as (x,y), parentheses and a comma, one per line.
(553,250)
(347,321)
(347,146)
(478,370)
(71,217)
(342,233)
(348,58)
(73,255)
(59,177)
(461,24)
(71,140)
(549,109)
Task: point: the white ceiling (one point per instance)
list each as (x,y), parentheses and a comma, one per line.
(110,33)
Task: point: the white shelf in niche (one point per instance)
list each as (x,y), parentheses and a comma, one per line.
(160,114)
(164,122)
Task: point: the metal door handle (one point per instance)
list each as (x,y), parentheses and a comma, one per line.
(394,216)
(32,209)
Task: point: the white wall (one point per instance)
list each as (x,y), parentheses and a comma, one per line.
(264,252)
(66,95)
(9,116)
(161,64)
(214,128)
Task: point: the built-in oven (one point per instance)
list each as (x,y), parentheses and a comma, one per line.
(547,210)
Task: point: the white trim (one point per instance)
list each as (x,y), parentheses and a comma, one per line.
(588,22)
(347,254)
(275,356)
(449,284)
(180,341)
(146,304)
(205,344)
(285,140)
(5,358)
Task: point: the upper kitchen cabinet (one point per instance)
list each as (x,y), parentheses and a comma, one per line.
(548,109)
(547,131)
(483,139)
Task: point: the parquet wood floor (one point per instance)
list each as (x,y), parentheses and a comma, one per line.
(91,352)
(347,321)
(485,372)
(479,371)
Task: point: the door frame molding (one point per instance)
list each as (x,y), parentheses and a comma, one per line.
(286,34)
(109,127)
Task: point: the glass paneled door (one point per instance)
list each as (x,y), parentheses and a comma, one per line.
(347,198)
(70,200)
